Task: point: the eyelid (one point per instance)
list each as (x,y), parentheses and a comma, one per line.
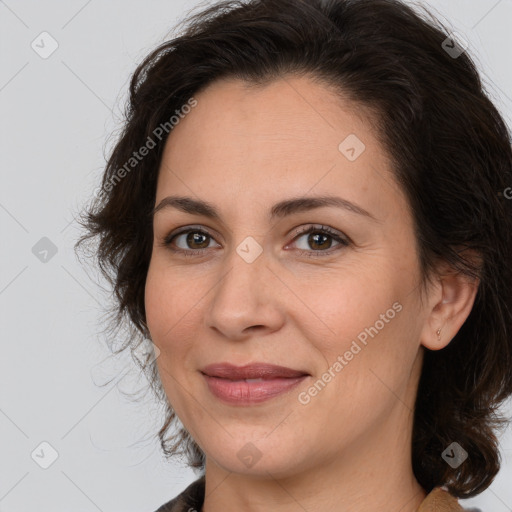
(342,239)
(319,227)
(185,229)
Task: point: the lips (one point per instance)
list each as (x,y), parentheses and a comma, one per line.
(251,384)
(251,371)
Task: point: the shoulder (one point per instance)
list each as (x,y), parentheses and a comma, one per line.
(189,500)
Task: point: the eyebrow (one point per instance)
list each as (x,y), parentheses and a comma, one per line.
(279,210)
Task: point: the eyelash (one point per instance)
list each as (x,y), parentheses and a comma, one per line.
(342,240)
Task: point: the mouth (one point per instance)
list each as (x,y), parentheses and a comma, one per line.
(250,384)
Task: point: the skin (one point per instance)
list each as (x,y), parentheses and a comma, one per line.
(243,149)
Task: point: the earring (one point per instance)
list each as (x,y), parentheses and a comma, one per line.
(438,332)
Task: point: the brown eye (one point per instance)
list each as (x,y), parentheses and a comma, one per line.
(189,241)
(195,237)
(319,240)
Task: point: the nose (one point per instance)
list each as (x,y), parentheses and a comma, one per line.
(246,299)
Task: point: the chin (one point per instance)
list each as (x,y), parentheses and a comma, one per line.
(259,457)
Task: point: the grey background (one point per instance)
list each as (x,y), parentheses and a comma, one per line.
(57,116)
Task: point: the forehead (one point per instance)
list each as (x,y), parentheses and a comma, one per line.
(292,135)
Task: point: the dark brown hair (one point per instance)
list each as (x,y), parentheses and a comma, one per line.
(451,154)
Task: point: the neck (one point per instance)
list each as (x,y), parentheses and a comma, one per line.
(373,473)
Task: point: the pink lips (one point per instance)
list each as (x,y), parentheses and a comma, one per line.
(250,384)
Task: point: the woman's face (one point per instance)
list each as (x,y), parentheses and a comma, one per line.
(246,286)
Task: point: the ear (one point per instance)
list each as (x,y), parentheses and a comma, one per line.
(450,300)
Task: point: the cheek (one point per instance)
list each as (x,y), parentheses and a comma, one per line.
(174,314)
(342,303)
(170,320)
(168,302)
(366,365)
(367,316)
(156,302)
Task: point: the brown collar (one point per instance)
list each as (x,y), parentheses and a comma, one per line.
(439,500)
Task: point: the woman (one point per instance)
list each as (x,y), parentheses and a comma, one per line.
(305,214)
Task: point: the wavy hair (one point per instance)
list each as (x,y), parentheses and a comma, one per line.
(451,154)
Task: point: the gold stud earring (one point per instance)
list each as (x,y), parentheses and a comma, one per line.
(438,332)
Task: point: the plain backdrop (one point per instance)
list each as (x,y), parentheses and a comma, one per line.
(58,117)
